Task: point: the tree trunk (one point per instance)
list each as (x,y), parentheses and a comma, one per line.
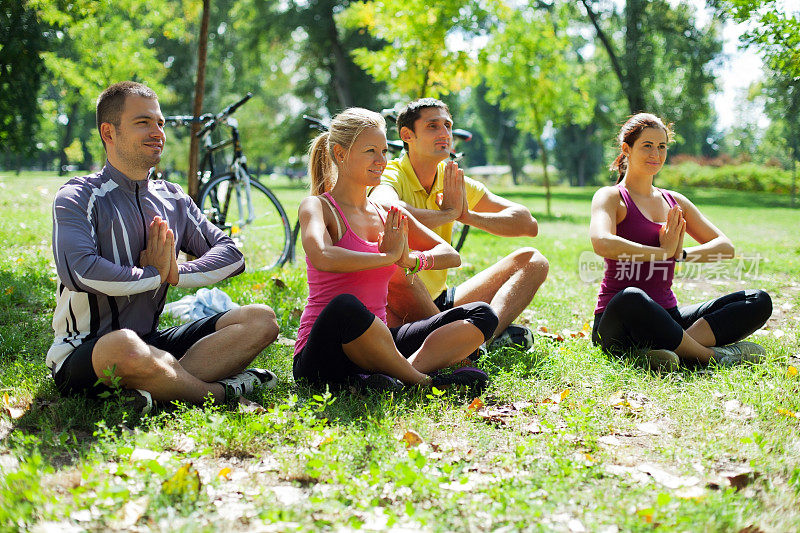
(794,178)
(63,160)
(341,78)
(199,88)
(612,54)
(632,85)
(513,164)
(546,176)
(88,162)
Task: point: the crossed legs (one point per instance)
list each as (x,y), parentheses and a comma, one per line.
(508,287)
(239,336)
(633,320)
(347,339)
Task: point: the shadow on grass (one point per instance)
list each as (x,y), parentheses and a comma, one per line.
(66,429)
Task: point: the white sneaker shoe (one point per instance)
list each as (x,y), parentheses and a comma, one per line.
(247,381)
(141,401)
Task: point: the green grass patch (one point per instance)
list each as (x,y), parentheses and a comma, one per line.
(566,438)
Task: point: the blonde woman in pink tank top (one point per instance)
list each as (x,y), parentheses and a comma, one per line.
(639,229)
(353,247)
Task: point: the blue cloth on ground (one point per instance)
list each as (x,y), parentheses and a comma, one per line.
(205,302)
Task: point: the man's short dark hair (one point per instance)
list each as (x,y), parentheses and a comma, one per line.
(111,102)
(410,113)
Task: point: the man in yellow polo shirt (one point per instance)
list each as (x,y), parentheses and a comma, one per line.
(434,190)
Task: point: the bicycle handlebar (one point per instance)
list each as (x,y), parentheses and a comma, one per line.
(314,122)
(216,119)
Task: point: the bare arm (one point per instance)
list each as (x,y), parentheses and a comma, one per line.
(326,257)
(714,245)
(606,242)
(422,238)
(501,217)
(387,196)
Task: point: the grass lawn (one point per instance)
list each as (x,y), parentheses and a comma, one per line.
(564,439)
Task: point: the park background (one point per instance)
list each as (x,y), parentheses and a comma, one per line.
(564,439)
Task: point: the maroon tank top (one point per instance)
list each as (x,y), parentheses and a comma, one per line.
(653,277)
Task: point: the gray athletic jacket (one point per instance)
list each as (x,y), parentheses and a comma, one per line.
(99,229)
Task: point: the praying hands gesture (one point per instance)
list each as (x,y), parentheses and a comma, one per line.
(394,239)
(670,236)
(160,251)
(454,194)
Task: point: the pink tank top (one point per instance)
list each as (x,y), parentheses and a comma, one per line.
(653,277)
(369,286)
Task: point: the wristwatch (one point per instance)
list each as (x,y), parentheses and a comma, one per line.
(682,258)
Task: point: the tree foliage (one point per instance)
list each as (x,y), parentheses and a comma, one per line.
(665,63)
(22,42)
(422,54)
(771,28)
(530,69)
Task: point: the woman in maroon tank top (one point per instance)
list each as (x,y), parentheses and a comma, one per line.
(639,229)
(352,249)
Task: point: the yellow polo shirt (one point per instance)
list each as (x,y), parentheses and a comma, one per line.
(400,175)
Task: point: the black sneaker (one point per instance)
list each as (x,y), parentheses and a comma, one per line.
(378,382)
(247,381)
(737,353)
(515,335)
(138,401)
(468,376)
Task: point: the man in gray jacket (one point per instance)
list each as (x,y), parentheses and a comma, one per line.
(116,235)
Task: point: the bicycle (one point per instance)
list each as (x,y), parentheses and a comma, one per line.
(460,231)
(240,205)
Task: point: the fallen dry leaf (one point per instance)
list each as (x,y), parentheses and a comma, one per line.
(475,405)
(738,478)
(542,330)
(646,514)
(557,398)
(650,428)
(737,410)
(323,440)
(225,473)
(185,483)
(285,341)
(412,438)
(142,454)
(691,493)
(8,405)
(610,440)
(534,428)
(183,444)
(250,407)
(132,511)
(632,401)
(665,478)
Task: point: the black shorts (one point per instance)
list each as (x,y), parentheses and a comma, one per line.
(446,300)
(77,376)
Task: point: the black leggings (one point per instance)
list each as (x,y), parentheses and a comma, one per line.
(322,360)
(634,320)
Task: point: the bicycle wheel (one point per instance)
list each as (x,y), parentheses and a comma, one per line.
(262,238)
(459,235)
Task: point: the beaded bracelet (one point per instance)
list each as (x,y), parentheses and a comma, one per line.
(417,263)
